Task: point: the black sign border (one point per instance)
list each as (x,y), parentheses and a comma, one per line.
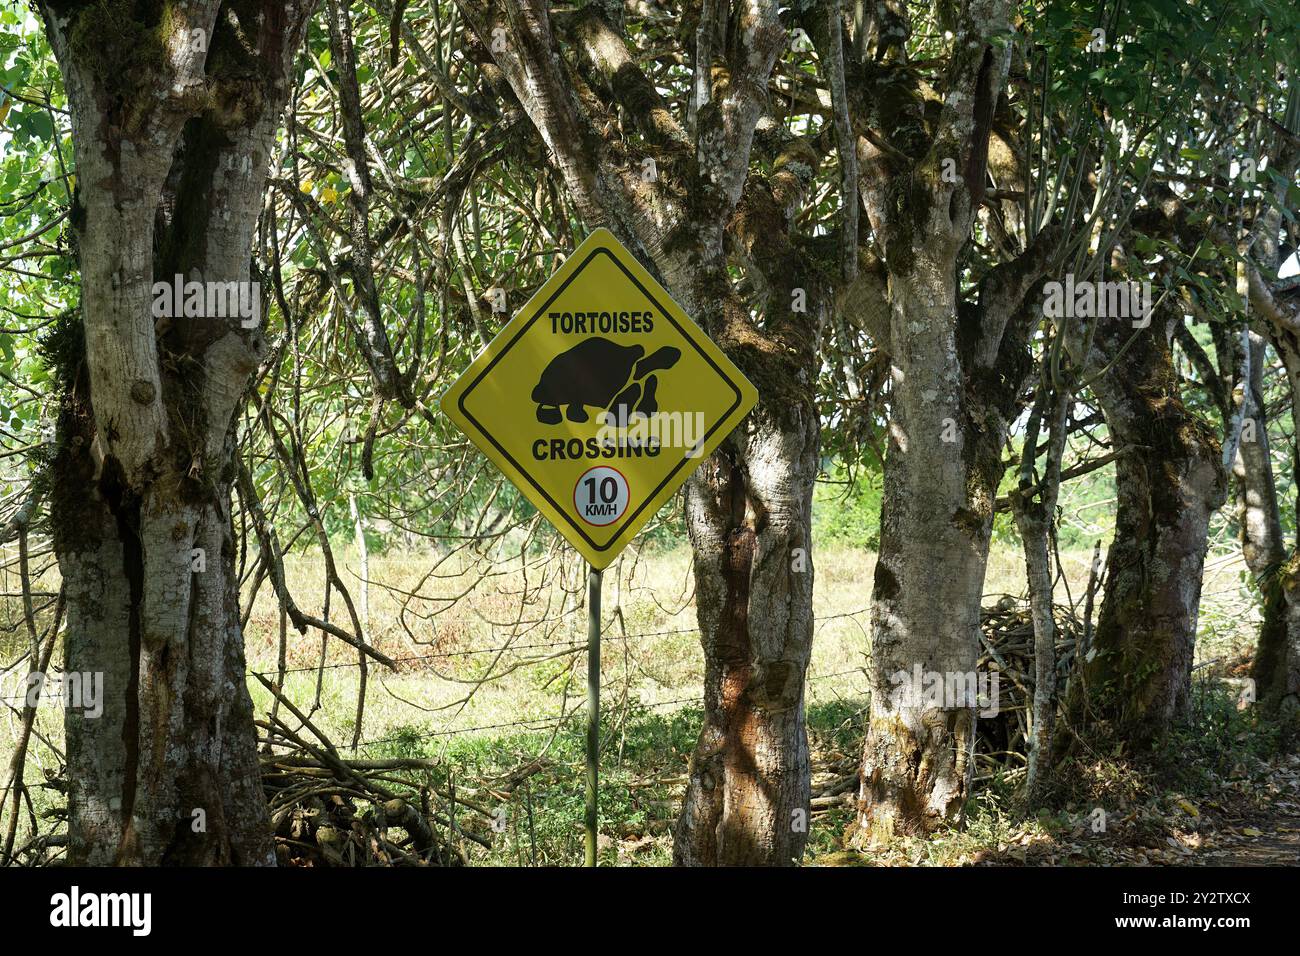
(603,250)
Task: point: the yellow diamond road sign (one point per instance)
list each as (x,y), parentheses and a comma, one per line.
(599,398)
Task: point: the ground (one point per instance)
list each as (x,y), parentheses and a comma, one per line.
(511,748)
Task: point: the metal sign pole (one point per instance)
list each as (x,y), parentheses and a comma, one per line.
(593,708)
(649,355)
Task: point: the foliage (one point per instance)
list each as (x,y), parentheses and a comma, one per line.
(463,202)
(846,508)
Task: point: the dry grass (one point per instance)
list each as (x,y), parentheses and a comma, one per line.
(460,695)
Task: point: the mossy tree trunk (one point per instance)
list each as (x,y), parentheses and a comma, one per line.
(956,371)
(749,515)
(1277,659)
(1277,662)
(1169,481)
(174,110)
(749,507)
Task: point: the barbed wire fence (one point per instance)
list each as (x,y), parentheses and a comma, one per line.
(527,600)
(293,743)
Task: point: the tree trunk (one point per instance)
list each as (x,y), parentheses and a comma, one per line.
(169,772)
(941,478)
(956,369)
(1035,513)
(1169,481)
(1277,660)
(172,148)
(749,514)
(1277,663)
(1259,518)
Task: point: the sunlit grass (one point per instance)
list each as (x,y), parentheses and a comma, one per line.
(439,705)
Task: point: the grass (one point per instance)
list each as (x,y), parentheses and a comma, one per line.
(507,728)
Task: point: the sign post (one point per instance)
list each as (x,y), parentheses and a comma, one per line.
(598,400)
(593,710)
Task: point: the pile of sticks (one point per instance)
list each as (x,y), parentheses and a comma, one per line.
(1007,642)
(331,810)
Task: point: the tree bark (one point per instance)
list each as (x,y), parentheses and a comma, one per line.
(1259,519)
(174,111)
(749,516)
(936,514)
(1277,664)
(1277,659)
(748,509)
(1169,481)
(956,369)
(1035,513)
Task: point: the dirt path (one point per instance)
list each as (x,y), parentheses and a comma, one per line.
(1265,834)
(1263,841)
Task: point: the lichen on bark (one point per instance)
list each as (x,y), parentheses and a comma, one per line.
(120,45)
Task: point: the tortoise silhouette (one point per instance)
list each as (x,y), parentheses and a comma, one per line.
(602,374)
